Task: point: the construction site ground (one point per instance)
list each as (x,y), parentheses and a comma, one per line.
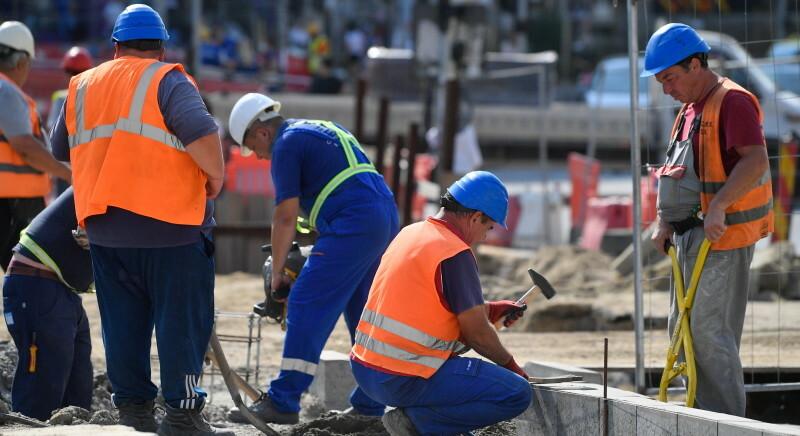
(547,333)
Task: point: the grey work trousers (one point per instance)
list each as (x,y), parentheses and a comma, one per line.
(716,321)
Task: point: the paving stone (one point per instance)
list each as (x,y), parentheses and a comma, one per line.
(334,380)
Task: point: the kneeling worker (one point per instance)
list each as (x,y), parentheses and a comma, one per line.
(45,315)
(425,301)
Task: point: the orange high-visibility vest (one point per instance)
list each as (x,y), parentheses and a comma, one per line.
(749,218)
(17,178)
(122,153)
(404,327)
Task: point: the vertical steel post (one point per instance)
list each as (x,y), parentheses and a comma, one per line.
(636,169)
(382,133)
(411,188)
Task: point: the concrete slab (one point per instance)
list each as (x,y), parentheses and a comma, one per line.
(78,430)
(334,380)
(576,409)
(652,421)
(621,418)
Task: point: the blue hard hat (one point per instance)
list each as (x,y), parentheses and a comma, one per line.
(483,191)
(671,44)
(139,21)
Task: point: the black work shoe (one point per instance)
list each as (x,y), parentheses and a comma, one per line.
(264,409)
(138,416)
(397,423)
(188,422)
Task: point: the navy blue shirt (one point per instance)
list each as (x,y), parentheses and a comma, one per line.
(305,157)
(186,116)
(457,278)
(52,231)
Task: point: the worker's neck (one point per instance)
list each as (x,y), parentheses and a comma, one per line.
(708,81)
(150,54)
(455,221)
(15,76)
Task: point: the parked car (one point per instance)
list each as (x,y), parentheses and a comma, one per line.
(611,85)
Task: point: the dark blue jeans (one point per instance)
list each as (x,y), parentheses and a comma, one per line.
(45,312)
(464,394)
(171,289)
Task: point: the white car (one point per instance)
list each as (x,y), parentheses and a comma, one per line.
(610,86)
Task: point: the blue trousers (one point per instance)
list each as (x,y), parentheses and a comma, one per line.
(45,312)
(171,289)
(464,394)
(335,280)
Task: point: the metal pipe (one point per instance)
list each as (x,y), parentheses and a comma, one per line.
(398,147)
(636,169)
(361,92)
(411,186)
(450,124)
(605,387)
(383,132)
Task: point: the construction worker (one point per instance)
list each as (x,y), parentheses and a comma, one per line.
(715,184)
(147,157)
(75,61)
(44,314)
(319,167)
(426,301)
(25,161)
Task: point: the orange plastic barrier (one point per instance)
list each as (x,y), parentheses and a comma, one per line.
(248,175)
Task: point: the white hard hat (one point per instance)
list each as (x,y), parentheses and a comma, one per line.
(249,108)
(17,36)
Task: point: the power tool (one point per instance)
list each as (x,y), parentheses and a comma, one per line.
(270,308)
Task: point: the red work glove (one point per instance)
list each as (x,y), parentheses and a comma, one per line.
(513,367)
(505,308)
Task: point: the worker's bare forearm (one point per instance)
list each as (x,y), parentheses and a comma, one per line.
(489,347)
(477,333)
(284,220)
(744,176)
(207,154)
(35,154)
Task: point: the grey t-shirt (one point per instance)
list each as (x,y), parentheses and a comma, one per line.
(186,116)
(15,120)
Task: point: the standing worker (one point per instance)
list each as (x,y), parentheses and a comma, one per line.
(45,315)
(425,302)
(320,167)
(25,161)
(75,61)
(147,156)
(715,184)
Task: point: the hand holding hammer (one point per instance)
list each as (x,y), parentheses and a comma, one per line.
(510,311)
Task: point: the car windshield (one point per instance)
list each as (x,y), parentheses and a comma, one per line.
(614,77)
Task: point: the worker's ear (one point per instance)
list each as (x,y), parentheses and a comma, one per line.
(475,217)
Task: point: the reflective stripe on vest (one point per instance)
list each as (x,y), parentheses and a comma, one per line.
(132,124)
(385,349)
(42,256)
(750,217)
(348,142)
(407,332)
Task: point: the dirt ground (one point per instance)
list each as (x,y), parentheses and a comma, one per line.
(771,338)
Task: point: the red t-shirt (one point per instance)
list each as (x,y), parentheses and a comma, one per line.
(739,126)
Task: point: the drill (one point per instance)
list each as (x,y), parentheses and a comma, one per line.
(270,308)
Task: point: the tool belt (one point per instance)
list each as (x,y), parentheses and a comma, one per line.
(20,269)
(686,224)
